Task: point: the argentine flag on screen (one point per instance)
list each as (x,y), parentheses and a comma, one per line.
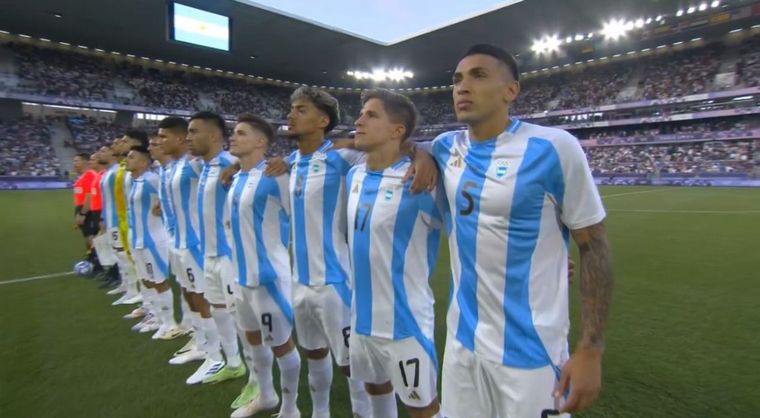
(202,28)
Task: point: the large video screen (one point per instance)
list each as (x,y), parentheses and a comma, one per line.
(199,27)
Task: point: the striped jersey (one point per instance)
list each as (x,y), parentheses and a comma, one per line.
(257,211)
(512,201)
(318,214)
(212,194)
(108,190)
(164,173)
(145,228)
(393,240)
(183,198)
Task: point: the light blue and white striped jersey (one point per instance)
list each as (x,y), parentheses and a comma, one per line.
(107,187)
(146,231)
(183,195)
(257,209)
(164,174)
(512,201)
(393,240)
(318,214)
(212,194)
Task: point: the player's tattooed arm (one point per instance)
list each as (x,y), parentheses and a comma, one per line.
(596,283)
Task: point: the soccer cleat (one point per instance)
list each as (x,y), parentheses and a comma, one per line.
(138,326)
(320,414)
(139,312)
(247,395)
(151,325)
(226,373)
(187,357)
(167,333)
(190,345)
(257,405)
(134,299)
(121,300)
(110,284)
(206,370)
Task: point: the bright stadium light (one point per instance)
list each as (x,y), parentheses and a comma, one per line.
(691,10)
(679,13)
(639,23)
(715,4)
(569,39)
(615,29)
(702,7)
(658,18)
(378,74)
(579,37)
(547,44)
(648,21)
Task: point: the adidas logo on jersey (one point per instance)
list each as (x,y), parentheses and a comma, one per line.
(268,338)
(414,396)
(457,163)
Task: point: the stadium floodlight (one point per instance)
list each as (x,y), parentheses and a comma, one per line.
(702,7)
(679,13)
(658,18)
(691,10)
(44,39)
(639,23)
(615,29)
(590,35)
(715,4)
(378,74)
(579,37)
(648,21)
(570,39)
(24,35)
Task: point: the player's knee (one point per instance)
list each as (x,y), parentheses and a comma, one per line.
(377,389)
(284,349)
(317,354)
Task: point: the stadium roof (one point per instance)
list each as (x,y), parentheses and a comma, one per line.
(304,48)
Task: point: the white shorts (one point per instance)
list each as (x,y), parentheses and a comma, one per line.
(189,269)
(405,363)
(267,308)
(323,318)
(152,266)
(104,250)
(114,236)
(219,275)
(475,387)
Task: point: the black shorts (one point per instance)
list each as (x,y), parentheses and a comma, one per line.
(91,224)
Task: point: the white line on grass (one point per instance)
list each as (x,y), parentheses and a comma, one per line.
(29,279)
(639,192)
(717,212)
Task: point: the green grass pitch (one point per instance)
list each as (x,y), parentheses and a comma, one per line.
(683,336)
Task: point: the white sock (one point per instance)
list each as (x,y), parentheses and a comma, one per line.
(384,406)
(198,334)
(290,370)
(187,321)
(165,308)
(262,368)
(227,327)
(212,345)
(150,300)
(320,380)
(359,397)
(248,358)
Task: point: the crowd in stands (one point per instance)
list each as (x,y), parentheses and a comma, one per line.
(25,149)
(59,73)
(693,158)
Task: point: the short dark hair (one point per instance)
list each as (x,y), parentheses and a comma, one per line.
(323,100)
(258,123)
(83,155)
(139,135)
(499,53)
(399,107)
(141,149)
(173,123)
(212,117)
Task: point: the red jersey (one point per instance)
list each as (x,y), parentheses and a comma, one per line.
(96,200)
(83,187)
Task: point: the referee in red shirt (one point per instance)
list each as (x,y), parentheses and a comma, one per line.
(84,216)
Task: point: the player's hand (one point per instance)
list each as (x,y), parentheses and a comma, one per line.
(79,220)
(226,175)
(276,166)
(570,270)
(423,172)
(156,211)
(583,374)
(339,143)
